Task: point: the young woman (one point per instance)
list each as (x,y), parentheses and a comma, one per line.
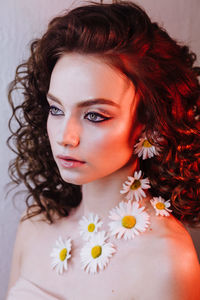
(107,147)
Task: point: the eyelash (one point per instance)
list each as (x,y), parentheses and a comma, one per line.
(51,108)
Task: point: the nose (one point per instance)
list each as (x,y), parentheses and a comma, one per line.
(70,134)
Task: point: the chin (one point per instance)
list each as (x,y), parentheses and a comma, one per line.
(81,180)
(76,181)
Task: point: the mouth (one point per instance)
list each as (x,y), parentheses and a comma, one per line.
(69,162)
(69,158)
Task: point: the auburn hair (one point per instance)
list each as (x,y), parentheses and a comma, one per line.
(165,79)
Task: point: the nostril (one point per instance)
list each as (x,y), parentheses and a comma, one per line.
(70,140)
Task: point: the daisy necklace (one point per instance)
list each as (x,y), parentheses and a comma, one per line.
(126,221)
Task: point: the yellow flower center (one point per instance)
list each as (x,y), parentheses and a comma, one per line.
(128,222)
(160,205)
(63,254)
(146,144)
(96,251)
(136,184)
(91,227)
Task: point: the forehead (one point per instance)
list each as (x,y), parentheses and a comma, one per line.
(77,77)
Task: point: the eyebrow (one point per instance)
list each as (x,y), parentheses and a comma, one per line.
(87,102)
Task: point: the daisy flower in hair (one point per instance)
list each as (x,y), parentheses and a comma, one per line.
(96,253)
(161,206)
(89,226)
(60,255)
(134,187)
(145,149)
(128,220)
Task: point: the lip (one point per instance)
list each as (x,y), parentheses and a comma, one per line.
(68,158)
(69,161)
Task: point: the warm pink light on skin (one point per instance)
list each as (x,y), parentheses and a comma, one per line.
(103,146)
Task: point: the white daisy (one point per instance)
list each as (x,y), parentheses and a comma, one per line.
(161,206)
(128,220)
(89,226)
(60,254)
(135,187)
(96,253)
(145,149)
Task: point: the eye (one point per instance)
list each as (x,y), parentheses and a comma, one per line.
(95,117)
(55,111)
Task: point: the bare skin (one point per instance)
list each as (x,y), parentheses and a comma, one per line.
(159,264)
(148,267)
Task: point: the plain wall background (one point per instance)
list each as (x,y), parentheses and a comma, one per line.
(20,22)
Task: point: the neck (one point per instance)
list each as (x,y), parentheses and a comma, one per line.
(101,195)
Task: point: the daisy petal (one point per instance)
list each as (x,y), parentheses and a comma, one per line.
(134,189)
(60,254)
(161,206)
(96,252)
(131,221)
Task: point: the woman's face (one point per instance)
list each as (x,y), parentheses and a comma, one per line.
(96,132)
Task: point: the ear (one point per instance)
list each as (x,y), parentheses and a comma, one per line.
(140,129)
(136,131)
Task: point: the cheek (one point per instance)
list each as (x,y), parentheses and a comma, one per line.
(51,131)
(112,143)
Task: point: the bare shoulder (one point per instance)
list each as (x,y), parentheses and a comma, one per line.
(178,269)
(178,241)
(26,231)
(17,254)
(27,228)
(184,267)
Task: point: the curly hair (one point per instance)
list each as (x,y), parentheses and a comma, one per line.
(165,79)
